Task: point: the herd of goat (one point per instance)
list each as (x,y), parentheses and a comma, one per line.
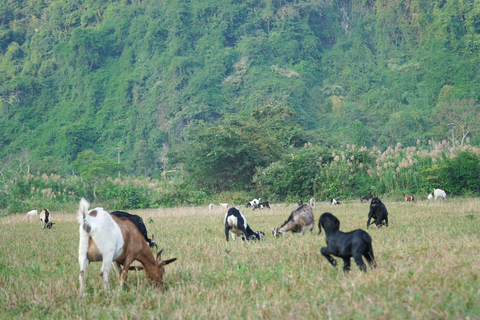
(118,238)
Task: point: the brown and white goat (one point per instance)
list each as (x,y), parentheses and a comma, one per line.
(300,220)
(409,198)
(112,240)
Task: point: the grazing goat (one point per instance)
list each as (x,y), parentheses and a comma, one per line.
(45,219)
(366,198)
(300,220)
(430,197)
(112,240)
(224,205)
(31,214)
(334,202)
(312,202)
(262,205)
(210,206)
(409,198)
(356,243)
(300,202)
(378,212)
(248,205)
(236,223)
(254,202)
(439,193)
(138,222)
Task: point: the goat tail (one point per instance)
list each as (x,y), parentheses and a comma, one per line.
(82,211)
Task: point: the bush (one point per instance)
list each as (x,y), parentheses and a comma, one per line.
(462,174)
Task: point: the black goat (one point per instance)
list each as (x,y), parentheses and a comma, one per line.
(356,243)
(236,223)
(138,222)
(366,198)
(378,212)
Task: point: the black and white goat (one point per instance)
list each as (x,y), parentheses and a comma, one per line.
(236,223)
(299,221)
(334,202)
(378,212)
(45,219)
(262,205)
(356,243)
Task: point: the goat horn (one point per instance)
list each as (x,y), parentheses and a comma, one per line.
(159,254)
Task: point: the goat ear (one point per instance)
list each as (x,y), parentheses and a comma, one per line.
(164,263)
(159,255)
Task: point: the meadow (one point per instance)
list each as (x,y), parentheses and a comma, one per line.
(428,268)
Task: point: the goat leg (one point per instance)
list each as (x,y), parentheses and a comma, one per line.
(227,230)
(359,261)
(346,265)
(324,251)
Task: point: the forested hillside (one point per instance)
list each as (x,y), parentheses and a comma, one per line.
(162,86)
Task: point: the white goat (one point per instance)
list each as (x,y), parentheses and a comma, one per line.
(312,202)
(31,214)
(439,193)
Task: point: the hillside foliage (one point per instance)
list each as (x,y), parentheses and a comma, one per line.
(216,93)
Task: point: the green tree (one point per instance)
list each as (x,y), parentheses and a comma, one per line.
(93,169)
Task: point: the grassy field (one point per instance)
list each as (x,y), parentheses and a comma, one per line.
(428,268)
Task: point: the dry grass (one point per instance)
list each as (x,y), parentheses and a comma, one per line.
(428,268)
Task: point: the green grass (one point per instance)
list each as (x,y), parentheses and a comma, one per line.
(428,268)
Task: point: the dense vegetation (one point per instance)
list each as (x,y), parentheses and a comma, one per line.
(224,95)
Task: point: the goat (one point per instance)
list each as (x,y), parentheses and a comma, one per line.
(262,205)
(356,243)
(430,197)
(254,202)
(409,197)
(248,205)
(334,202)
(138,222)
(45,219)
(112,240)
(31,214)
(312,202)
(439,193)
(378,212)
(224,205)
(299,221)
(366,198)
(236,223)
(210,206)
(300,202)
